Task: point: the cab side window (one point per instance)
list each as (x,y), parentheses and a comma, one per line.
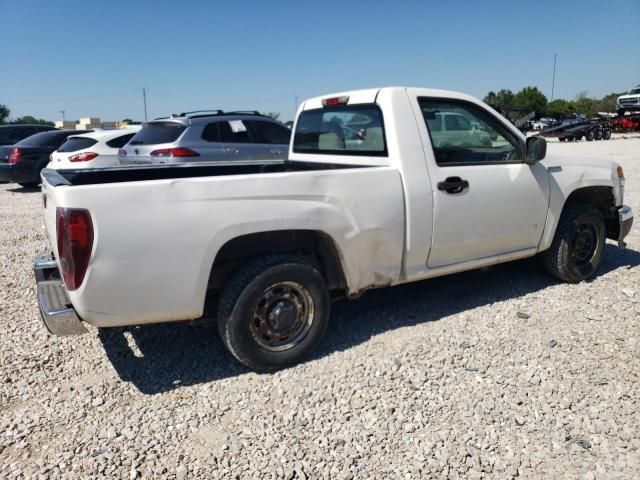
(463,133)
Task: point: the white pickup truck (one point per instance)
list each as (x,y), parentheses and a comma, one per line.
(369,197)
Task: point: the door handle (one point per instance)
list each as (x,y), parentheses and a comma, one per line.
(232,150)
(453,185)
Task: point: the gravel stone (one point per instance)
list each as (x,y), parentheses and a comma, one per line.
(437,379)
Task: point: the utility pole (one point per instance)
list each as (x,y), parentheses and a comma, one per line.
(295,104)
(62,112)
(144,99)
(553,82)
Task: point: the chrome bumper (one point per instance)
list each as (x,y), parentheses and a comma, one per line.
(625,219)
(56,310)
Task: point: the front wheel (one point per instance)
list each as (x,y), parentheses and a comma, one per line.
(576,251)
(273,312)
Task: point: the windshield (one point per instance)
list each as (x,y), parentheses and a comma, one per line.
(634,91)
(341,130)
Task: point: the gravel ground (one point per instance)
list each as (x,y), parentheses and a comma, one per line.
(496,373)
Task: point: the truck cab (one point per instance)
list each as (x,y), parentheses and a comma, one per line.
(370,196)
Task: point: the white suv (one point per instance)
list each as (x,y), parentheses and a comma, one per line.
(97,149)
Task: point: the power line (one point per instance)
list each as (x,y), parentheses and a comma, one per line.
(69,99)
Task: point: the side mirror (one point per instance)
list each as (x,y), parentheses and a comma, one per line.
(536,149)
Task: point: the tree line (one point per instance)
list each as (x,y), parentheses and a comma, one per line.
(531,99)
(27,119)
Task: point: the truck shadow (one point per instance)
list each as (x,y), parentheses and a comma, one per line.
(159,358)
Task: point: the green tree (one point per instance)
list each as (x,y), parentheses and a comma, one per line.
(559,108)
(503,100)
(4,113)
(583,104)
(530,99)
(29,120)
(607,103)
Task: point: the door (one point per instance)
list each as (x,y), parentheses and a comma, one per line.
(237,140)
(487,200)
(213,150)
(272,139)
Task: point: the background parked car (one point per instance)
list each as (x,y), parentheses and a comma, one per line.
(207,136)
(11,134)
(544,122)
(451,129)
(92,150)
(23,161)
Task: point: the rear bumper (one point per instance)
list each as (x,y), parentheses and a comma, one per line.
(56,310)
(6,172)
(625,219)
(16,173)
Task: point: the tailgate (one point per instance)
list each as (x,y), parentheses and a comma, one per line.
(49,207)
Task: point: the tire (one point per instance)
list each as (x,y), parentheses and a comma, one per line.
(570,138)
(597,134)
(576,251)
(606,134)
(589,136)
(262,310)
(562,139)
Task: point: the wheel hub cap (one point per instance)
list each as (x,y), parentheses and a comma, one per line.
(584,245)
(282,316)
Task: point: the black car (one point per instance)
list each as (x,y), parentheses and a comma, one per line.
(22,162)
(12,134)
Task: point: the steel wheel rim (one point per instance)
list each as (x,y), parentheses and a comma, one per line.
(584,244)
(282,316)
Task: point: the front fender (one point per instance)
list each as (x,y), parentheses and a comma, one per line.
(568,176)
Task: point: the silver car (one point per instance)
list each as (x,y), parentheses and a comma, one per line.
(207,136)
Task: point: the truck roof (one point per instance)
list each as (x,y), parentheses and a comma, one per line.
(369,95)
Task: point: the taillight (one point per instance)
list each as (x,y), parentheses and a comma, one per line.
(174,152)
(15,156)
(333,101)
(74,231)
(83,157)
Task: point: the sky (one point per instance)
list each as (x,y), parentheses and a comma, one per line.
(93,57)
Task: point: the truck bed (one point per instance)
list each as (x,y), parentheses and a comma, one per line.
(92,176)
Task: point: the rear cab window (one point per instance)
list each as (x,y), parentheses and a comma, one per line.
(155,133)
(341,130)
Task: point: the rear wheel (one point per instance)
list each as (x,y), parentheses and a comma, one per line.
(576,251)
(589,136)
(273,312)
(562,139)
(606,134)
(597,134)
